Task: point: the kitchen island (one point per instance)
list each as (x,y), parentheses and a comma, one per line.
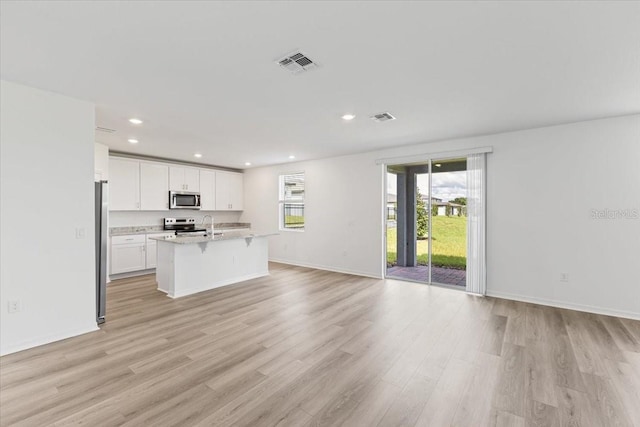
(190,264)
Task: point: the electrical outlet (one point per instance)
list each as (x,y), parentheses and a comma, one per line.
(80,233)
(14,306)
(564,277)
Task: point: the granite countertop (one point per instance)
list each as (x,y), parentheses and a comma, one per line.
(148,229)
(229,235)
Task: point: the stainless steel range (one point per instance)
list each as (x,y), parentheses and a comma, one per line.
(183,226)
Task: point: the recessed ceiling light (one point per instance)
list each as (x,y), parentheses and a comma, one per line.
(133,141)
(198,155)
(135,121)
(292,157)
(438,165)
(348,117)
(247,163)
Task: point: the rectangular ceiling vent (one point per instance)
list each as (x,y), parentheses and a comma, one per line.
(382,117)
(105,130)
(297,62)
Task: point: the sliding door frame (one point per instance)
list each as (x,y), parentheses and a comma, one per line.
(421,159)
(429,225)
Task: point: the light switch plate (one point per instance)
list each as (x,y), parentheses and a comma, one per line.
(14,306)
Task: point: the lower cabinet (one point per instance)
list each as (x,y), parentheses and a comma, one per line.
(127,253)
(134,252)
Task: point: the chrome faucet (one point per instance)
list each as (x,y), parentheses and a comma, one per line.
(210,216)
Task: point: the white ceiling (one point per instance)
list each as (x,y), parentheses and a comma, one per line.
(202,74)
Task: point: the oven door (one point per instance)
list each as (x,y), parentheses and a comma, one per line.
(184,200)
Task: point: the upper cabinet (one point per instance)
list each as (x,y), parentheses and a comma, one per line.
(140,185)
(124,185)
(184,179)
(207,190)
(229,191)
(192,179)
(154,187)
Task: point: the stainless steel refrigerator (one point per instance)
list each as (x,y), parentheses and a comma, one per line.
(102,209)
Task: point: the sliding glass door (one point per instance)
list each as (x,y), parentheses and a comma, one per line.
(449,222)
(427,222)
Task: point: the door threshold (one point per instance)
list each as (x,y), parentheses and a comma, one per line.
(420,282)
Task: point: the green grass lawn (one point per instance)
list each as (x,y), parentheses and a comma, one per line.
(449,243)
(294,221)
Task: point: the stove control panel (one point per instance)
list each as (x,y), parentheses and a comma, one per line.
(179,221)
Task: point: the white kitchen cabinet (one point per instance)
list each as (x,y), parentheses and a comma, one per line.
(176,178)
(184,179)
(237,192)
(207,190)
(192,179)
(145,185)
(154,187)
(126,257)
(124,185)
(229,191)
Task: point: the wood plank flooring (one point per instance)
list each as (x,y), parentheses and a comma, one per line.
(305,347)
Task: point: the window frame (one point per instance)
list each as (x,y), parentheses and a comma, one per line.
(282,201)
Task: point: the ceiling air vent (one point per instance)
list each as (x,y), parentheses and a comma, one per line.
(297,62)
(382,117)
(105,130)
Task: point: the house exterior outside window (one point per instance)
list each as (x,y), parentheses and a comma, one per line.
(291,201)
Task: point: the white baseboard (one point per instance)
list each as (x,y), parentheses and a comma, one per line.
(130,274)
(326,268)
(218,284)
(504,295)
(47,339)
(563,304)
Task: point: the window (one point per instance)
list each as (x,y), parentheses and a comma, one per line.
(292,201)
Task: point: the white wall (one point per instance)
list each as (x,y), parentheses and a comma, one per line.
(133,218)
(343,208)
(580,167)
(101,161)
(47,170)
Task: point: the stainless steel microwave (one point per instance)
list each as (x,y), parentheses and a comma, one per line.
(184,200)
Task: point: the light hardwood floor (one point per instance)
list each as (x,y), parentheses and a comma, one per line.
(305,347)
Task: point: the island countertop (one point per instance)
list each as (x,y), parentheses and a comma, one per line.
(227,235)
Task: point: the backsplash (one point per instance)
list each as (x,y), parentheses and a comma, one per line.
(133,218)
